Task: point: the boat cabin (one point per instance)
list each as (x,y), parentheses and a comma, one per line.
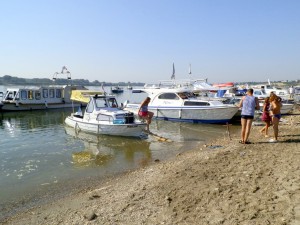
(180,99)
(39,95)
(106,108)
(100,102)
(31,95)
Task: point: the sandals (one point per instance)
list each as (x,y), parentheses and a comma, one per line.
(246,142)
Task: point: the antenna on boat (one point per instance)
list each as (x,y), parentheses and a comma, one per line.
(102,86)
(64,70)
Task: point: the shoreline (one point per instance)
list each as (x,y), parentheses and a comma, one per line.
(222,182)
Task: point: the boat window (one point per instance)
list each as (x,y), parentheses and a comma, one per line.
(17,95)
(30,95)
(113,103)
(257,92)
(102,117)
(45,93)
(90,107)
(100,103)
(168,96)
(191,103)
(37,95)
(10,95)
(23,94)
(51,93)
(58,93)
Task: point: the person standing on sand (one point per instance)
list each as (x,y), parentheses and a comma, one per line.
(144,113)
(248,104)
(292,92)
(275,114)
(266,116)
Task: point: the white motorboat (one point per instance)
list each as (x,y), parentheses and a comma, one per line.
(181,105)
(39,98)
(103,116)
(267,89)
(286,107)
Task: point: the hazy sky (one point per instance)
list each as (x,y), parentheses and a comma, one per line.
(139,40)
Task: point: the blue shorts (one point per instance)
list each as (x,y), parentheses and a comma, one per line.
(278,116)
(247,117)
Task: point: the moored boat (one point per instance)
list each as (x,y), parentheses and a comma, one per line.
(117,89)
(104,116)
(182,105)
(39,98)
(286,108)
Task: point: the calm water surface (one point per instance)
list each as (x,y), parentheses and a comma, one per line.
(39,154)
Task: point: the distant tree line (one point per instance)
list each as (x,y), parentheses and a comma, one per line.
(10,80)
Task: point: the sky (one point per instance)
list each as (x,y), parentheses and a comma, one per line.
(139,40)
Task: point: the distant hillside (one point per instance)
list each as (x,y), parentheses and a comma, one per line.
(10,80)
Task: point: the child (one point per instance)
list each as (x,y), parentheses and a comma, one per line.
(266,117)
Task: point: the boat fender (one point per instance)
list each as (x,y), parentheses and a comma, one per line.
(77,128)
(46,104)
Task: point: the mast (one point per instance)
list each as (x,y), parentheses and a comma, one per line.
(190,69)
(173,74)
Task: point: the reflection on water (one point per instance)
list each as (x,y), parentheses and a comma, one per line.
(40,156)
(100,150)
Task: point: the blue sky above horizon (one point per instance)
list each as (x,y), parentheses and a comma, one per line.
(139,40)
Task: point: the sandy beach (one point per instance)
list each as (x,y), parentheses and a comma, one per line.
(221,182)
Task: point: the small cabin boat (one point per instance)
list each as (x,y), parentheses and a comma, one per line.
(117,89)
(103,115)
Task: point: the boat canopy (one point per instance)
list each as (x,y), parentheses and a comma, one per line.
(83,95)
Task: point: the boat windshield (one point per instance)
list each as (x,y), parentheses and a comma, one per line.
(101,103)
(10,95)
(183,95)
(112,102)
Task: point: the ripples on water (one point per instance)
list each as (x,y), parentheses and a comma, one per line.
(42,158)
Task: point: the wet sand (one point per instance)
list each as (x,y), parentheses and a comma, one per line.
(222,182)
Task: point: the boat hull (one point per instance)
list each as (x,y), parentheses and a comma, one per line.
(129,130)
(191,114)
(6,107)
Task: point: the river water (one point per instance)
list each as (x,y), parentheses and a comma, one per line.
(38,152)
